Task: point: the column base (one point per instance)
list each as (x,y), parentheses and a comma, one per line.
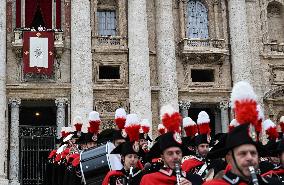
(13,182)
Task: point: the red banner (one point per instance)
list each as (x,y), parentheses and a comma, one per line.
(38,52)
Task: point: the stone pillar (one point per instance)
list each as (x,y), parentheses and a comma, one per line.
(3,100)
(14,141)
(241,61)
(184,106)
(216,18)
(139,69)
(166,57)
(60,114)
(224,105)
(81,60)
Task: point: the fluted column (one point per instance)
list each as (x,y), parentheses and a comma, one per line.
(81,60)
(3,100)
(166,53)
(224,105)
(60,113)
(139,70)
(241,61)
(14,141)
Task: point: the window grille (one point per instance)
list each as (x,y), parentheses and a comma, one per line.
(197,20)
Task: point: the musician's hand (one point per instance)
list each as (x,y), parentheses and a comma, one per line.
(184,181)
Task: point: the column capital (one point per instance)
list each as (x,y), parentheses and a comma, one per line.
(224,104)
(14,102)
(60,102)
(184,104)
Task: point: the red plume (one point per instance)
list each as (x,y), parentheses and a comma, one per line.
(189,126)
(145,129)
(245,112)
(161,129)
(272,133)
(94,126)
(78,127)
(270,129)
(172,122)
(76,162)
(132,127)
(203,121)
(120,122)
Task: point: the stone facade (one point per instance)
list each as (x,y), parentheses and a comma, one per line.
(157,61)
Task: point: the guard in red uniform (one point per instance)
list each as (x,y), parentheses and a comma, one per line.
(131,172)
(242,148)
(278,172)
(170,148)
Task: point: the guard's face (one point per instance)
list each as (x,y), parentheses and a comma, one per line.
(171,155)
(143,142)
(130,160)
(203,149)
(246,155)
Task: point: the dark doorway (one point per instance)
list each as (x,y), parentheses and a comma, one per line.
(193,114)
(37,133)
(38,113)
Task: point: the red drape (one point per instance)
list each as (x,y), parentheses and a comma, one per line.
(45,8)
(58,14)
(30,10)
(18,13)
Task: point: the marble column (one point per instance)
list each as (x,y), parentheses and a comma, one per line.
(139,69)
(184,106)
(3,100)
(240,52)
(81,60)
(224,105)
(60,114)
(14,141)
(166,57)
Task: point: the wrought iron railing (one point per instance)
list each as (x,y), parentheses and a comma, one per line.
(110,42)
(35,144)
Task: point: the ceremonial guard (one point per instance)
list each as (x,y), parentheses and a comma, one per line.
(197,164)
(131,173)
(278,172)
(242,148)
(170,149)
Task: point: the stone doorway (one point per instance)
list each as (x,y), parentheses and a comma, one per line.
(37,134)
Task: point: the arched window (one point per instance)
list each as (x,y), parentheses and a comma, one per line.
(197,20)
(275,22)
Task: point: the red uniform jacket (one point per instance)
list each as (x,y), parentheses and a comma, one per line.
(190,164)
(161,177)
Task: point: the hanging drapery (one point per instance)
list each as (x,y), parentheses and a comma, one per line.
(38,52)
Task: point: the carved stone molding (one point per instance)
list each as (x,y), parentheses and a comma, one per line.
(110,106)
(14,102)
(184,104)
(224,105)
(61,102)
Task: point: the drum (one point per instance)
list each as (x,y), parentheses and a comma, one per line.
(95,164)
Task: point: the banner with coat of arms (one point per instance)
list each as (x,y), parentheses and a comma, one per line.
(38,52)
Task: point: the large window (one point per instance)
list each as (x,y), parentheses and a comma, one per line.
(197,20)
(106,23)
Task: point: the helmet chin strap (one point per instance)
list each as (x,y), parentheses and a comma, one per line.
(236,164)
